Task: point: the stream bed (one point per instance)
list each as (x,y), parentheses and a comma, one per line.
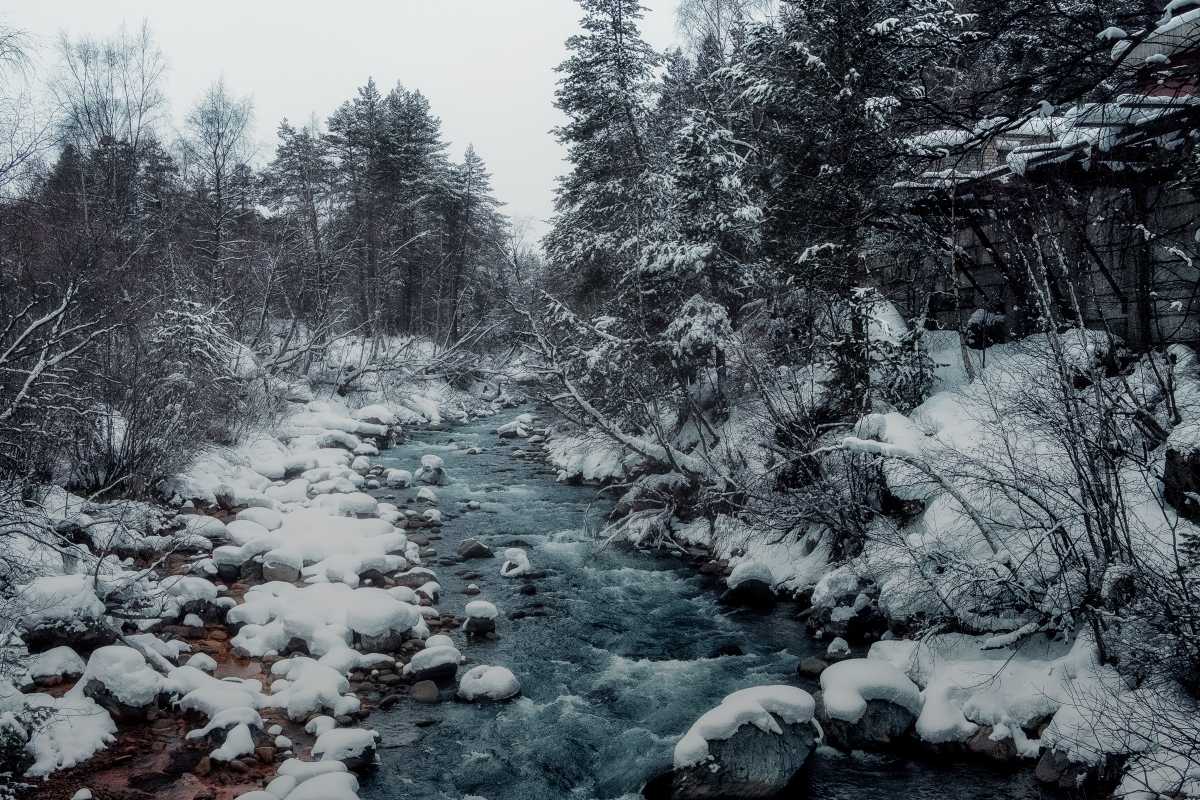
(617,654)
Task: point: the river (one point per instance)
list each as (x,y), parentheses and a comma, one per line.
(616,654)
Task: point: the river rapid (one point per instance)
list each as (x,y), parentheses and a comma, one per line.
(617,654)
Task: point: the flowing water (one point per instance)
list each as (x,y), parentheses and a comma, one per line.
(617,654)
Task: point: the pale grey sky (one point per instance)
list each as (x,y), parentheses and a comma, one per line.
(485,65)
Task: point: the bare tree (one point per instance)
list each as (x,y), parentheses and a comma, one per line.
(23,126)
(109,89)
(717,21)
(216,144)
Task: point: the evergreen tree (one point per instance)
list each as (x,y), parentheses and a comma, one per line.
(604,205)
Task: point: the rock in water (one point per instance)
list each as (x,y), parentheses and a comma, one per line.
(751,593)
(881,724)
(470,548)
(812,667)
(753,764)
(866,704)
(425,692)
(751,746)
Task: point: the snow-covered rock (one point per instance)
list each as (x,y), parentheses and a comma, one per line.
(434,664)
(751,745)
(120,681)
(432,471)
(60,661)
(354,747)
(866,703)
(491,683)
(61,610)
(481,618)
(516,563)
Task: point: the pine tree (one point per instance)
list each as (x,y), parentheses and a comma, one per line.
(603,205)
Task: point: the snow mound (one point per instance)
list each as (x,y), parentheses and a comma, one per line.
(432,657)
(755,706)
(493,683)
(848,685)
(750,570)
(516,563)
(481,609)
(340,744)
(379,614)
(59,661)
(76,729)
(126,675)
(68,600)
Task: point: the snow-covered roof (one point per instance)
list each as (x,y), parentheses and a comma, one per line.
(1173,35)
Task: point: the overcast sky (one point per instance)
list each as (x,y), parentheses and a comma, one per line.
(485,65)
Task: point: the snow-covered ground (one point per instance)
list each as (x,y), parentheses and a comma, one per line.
(306,527)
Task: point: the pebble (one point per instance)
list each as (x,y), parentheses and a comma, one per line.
(203,767)
(425,722)
(389,701)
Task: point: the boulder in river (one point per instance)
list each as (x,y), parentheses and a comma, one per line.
(471,548)
(434,663)
(749,586)
(753,745)
(488,683)
(866,704)
(426,692)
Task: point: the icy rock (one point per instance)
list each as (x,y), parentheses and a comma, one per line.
(490,683)
(516,563)
(354,747)
(269,518)
(330,786)
(866,704)
(399,478)
(427,495)
(481,618)
(434,663)
(61,661)
(202,661)
(470,548)
(838,648)
(120,681)
(432,471)
(751,745)
(61,611)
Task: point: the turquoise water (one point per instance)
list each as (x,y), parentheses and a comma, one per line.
(615,654)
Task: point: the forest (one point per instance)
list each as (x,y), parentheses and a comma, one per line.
(885,310)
